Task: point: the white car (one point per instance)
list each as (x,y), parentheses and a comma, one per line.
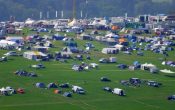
(11,53)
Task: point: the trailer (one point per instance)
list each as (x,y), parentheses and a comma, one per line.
(118,91)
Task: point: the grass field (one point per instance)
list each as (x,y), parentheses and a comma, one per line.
(137,98)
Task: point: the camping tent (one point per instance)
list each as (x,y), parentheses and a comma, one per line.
(74,22)
(5,43)
(40,85)
(66,52)
(147,66)
(57,91)
(29,21)
(71,43)
(166,71)
(18,40)
(67,94)
(51,85)
(112,35)
(119,47)
(40,49)
(84,36)
(34,55)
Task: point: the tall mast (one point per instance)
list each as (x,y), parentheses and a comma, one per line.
(74,9)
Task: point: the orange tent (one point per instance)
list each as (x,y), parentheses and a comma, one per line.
(121,40)
(57,91)
(115,28)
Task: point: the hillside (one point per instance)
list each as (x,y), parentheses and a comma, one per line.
(23,9)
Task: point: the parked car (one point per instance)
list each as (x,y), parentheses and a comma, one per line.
(20,91)
(172,97)
(108,89)
(38,66)
(105,79)
(103,60)
(153,83)
(3,59)
(11,53)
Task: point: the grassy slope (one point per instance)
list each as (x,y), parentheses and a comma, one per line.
(145,98)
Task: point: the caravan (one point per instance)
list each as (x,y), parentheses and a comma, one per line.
(118,91)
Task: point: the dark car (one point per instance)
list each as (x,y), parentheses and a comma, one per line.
(172,97)
(103,60)
(153,84)
(11,53)
(3,59)
(105,79)
(108,89)
(41,65)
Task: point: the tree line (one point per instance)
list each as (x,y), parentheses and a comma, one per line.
(23,9)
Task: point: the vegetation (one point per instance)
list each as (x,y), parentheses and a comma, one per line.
(23,9)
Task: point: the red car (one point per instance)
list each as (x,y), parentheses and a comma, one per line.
(20,91)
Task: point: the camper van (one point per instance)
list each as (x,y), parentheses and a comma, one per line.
(118,91)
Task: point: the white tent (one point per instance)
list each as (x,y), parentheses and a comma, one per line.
(110,35)
(93,65)
(66,52)
(119,47)
(73,23)
(34,55)
(166,71)
(15,39)
(5,43)
(146,65)
(29,21)
(99,21)
(123,30)
(3,89)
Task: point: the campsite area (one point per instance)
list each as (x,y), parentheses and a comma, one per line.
(137,98)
